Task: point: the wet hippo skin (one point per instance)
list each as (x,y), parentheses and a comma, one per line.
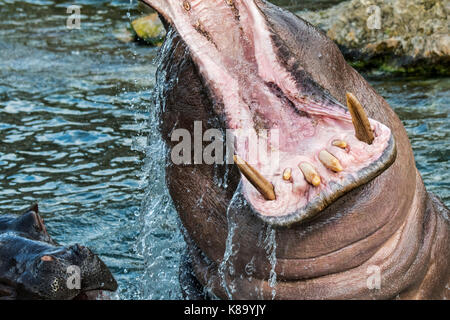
(33,266)
(389,223)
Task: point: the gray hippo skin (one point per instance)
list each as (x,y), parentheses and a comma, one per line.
(33,266)
(247,64)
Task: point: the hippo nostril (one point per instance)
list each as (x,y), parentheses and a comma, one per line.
(47,258)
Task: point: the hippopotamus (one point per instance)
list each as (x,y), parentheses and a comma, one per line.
(33,266)
(341,212)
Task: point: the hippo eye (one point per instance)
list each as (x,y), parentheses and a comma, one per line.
(186,5)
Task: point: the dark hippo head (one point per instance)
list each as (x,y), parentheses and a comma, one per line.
(343,198)
(33,266)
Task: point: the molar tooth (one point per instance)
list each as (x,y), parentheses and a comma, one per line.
(363,131)
(310,173)
(330,161)
(287,174)
(339,143)
(255,178)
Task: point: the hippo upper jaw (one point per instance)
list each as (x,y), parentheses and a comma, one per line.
(319,148)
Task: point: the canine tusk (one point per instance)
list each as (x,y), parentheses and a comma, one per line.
(363,131)
(256,179)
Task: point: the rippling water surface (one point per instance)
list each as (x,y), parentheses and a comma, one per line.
(78,135)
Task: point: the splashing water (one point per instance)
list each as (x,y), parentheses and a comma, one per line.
(271,248)
(160,243)
(267,240)
(231,249)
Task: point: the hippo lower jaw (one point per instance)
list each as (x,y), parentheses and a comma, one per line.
(268,100)
(92,295)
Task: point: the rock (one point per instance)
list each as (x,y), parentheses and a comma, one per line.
(397,35)
(149,29)
(123,35)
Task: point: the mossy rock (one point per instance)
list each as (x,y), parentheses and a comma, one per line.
(411,36)
(389,64)
(149,29)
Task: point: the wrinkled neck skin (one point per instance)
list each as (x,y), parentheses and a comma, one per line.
(382,222)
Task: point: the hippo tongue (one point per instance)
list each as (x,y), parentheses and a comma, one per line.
(317,155)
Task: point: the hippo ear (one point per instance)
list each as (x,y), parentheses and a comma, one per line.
(34,207)
(31,225)
(29,220)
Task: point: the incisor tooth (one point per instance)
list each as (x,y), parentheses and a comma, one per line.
(330,161)
(339,143)
(287,174)
(255,178)
(363,131)
(310,173)
(186,5)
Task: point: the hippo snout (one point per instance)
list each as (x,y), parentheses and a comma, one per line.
(33,266)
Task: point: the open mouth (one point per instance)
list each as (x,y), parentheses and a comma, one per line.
(323,150)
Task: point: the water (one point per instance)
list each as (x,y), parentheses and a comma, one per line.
(73,111)
(423,105)
(78,135)
(226,267)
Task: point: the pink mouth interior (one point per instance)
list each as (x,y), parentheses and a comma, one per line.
(232,47)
